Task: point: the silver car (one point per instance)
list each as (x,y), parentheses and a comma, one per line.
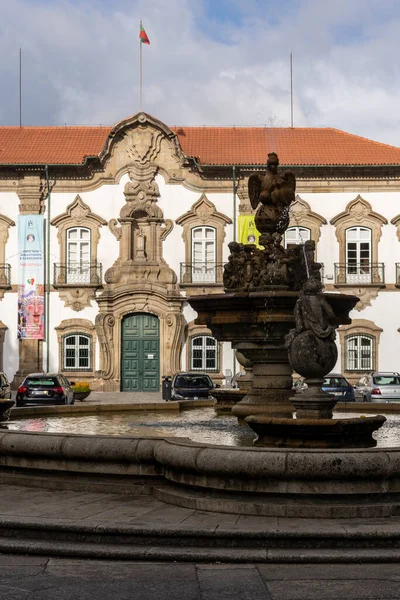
(380,387)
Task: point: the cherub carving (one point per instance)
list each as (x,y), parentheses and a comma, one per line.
(312,313)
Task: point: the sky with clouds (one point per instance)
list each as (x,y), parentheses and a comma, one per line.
(210,62)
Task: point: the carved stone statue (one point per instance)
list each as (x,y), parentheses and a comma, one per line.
(275,192)
(140,245)
(311,346)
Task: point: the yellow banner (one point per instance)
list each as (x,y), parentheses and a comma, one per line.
(248,233)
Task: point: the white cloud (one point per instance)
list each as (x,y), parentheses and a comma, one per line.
(80,63)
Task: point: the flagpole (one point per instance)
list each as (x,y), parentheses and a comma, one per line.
(140,75)
(291,89)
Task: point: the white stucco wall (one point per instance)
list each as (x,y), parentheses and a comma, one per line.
(174,201)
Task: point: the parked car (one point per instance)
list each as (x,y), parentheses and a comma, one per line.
(5,389)
(334,383)
(380,387)
(191,386)
(42,388)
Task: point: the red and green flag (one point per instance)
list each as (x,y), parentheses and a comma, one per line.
(143,35)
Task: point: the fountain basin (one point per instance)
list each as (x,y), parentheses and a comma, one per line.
(5,409)
(316,433)
(288,482)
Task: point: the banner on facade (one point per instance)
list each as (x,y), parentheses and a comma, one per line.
(31,277)
(248,233)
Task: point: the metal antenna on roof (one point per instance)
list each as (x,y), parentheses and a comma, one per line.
(20,87)
(291,89)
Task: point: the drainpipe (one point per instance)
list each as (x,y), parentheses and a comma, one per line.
(47,304)
(234,201)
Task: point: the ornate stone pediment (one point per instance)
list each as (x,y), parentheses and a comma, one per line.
(202,211)
(358,212)
(146,143)
(301,215)
(77,214)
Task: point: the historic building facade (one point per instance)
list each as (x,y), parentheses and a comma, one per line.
(140,218)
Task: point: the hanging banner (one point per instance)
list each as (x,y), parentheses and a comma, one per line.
(248,234)
(31,277)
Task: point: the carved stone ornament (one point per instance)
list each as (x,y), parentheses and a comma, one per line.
(301,215)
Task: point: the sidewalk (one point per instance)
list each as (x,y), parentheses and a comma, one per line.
(45,578)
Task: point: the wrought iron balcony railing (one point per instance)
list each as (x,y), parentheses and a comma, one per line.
(201,273)
(5,275)
(360,273)
(78,274)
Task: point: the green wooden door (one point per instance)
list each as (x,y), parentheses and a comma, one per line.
(140,353)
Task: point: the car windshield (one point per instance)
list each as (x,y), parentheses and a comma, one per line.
(386,380)
(41,381)
(335,382)
(193,381)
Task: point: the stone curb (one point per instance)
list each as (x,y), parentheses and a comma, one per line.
(195,554)
(79,409)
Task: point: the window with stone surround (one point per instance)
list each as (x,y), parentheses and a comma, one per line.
(203,234)
(359,344)
(77,346)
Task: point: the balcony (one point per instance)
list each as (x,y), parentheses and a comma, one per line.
(78,274)
(360,274)
(201,273)
(5,275)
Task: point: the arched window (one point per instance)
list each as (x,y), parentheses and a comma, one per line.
(360,352)
(78,255)
(77,352)
(296,235)
(204,254)
(204,353)
(358,255)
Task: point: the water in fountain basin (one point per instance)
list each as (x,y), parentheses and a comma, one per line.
(199,425)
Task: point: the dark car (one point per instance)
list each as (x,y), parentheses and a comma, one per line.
(42,388)
(191,386)
(338,386)
(334,383)
(5,389)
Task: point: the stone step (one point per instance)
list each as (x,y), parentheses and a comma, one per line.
(78,538)
(195,554)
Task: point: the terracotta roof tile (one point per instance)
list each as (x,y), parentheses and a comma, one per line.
(210,145)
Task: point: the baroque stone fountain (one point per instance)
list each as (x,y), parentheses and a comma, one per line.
(276,316)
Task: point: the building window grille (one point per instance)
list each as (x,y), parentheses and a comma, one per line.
(204,353)
(360,353)
(77,352)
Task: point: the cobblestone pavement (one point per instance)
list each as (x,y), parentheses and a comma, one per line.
(43,578)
